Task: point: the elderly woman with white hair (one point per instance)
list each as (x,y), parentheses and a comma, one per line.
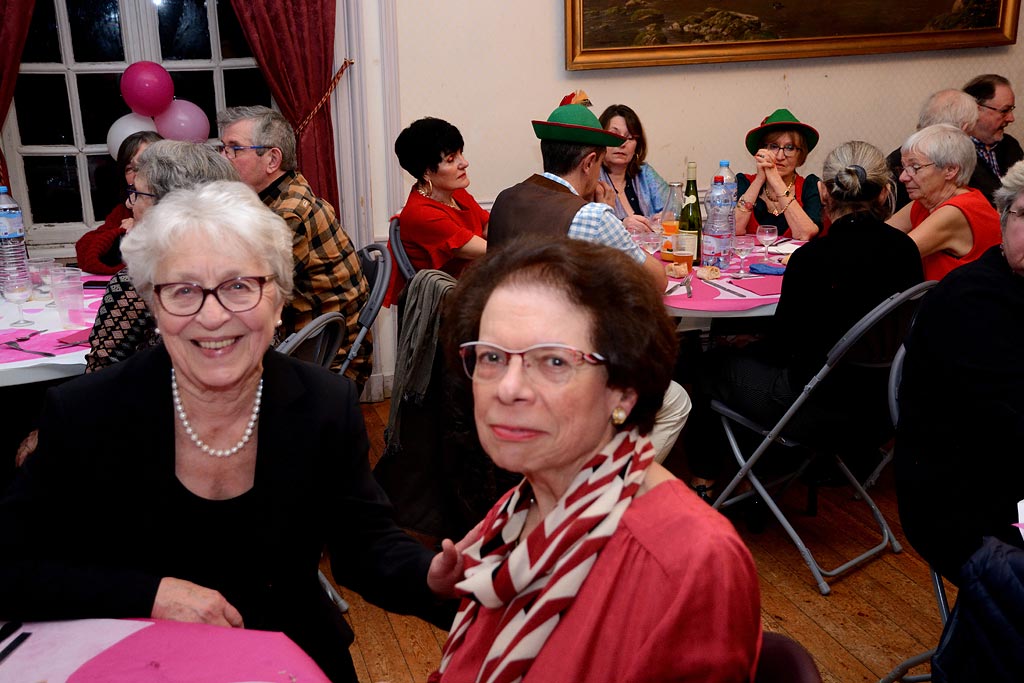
(952,224)
(210,492)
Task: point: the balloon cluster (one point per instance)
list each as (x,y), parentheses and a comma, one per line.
(147,88)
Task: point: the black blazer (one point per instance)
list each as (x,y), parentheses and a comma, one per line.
(97,516)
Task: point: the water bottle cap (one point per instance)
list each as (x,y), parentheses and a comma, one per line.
(718,179)
(723,162)
(3,188)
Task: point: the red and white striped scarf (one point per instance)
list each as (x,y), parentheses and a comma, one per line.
(538,579)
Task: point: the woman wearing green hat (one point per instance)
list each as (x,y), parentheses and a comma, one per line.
(778,195)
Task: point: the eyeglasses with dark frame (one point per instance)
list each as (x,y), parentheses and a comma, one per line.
(787,150)
(913,169)
(238,295)
(133,194)
(1005,111)
(231,151)
(550,363)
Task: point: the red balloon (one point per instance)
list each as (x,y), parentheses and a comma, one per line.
(183,120)
(147,88)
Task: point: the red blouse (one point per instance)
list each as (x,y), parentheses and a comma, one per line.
(983,221)
(95,247)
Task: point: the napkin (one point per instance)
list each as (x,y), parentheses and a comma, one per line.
(767,269)
(79,337)
(762,286)
(785,247)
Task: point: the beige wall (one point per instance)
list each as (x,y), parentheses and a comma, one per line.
(490,67)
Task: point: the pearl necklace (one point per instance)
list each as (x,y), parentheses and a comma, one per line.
(450,203)
(204,447)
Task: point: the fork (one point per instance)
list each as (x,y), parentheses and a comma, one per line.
(14,345)
(26,337)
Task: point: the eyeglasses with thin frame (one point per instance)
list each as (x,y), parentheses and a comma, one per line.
(1005,111)
(231,151)
(1016,213)
(133,194)
(550,363)
(787,150)
(238,295)
(913,169)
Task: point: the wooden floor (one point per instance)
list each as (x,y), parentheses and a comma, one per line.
(875,616)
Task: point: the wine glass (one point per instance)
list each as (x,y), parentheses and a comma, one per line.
(766,235)
(17,290)
(743,245)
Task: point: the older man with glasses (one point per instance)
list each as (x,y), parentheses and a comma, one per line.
(260,143)
(997,151)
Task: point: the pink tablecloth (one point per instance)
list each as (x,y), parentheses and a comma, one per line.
(708,298)
(47,341)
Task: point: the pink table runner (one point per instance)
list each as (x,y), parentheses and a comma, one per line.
(47,341)
(708,298)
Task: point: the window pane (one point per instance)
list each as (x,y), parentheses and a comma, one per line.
(43,114)
(105,184)
(245,86)
(53,189)
(197,88)
(43,44)
(232,41)
(100,97)
(184,29)
(95,30)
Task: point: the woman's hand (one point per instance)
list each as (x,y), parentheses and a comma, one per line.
(127,224)
(637,223)
(179,600)
(764,161)
(446,567)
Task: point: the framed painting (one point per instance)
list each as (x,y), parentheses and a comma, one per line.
(605,34)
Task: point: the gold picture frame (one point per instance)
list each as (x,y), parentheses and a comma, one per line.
(608,34)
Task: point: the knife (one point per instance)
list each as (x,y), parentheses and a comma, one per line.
(9,629)
(727,290)
(14,645)
(673,288)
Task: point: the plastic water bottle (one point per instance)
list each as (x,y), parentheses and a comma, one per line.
(729,180)
(13,257)
(717,245)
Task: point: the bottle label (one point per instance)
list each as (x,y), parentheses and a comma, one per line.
(11,224)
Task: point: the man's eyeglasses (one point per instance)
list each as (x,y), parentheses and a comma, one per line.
(133,194)
(238,295)
(231,151)
(1005,111)
(787,150)
(545,363)
(913,169)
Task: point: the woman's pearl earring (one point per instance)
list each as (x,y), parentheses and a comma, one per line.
(618,415)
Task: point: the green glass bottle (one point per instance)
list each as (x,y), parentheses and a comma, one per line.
(691,209)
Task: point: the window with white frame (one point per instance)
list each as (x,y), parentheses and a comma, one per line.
(68,95)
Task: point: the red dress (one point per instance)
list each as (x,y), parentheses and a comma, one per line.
(94,247)
(673,596)
(431,232)
(983,221)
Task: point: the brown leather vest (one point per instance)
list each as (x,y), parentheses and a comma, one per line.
(536,206)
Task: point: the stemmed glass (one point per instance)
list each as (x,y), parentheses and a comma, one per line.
(766,235)
(743,245)
(17,290)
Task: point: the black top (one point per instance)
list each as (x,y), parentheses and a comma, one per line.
(959,475)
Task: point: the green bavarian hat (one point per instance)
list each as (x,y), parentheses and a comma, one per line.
(577,124)
(780,119)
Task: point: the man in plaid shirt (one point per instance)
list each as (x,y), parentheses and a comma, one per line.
(260,143)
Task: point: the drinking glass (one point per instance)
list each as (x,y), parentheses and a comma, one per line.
(17,290)
(766,235)
(743,245)
(39,268)
(61,274)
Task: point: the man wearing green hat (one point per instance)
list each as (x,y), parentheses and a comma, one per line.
(557,202)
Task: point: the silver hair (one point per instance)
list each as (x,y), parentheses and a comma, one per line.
(945,146)
(1013,185)
(951,106)
(855,174)
(228,215)
(270,129)
(170,165)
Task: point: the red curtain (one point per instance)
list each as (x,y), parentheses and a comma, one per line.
(293,42)
(15,16)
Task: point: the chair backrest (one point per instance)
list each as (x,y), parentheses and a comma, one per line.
(405,266)
(783,660)
(895,377)
(318,342)
(375,262)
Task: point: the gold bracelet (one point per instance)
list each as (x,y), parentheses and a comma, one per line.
(791,200)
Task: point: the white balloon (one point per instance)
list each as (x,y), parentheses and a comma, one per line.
(125,126)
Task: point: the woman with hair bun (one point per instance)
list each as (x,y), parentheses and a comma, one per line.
(830,283)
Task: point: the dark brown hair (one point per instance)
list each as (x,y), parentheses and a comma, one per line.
(635,129)
(629,324)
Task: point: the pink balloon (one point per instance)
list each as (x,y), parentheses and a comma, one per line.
(147,88)
(183,120)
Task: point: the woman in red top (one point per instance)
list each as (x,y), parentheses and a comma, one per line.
(99,250)
(443,228)
(952,224)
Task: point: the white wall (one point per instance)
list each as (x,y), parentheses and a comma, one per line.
(491,67)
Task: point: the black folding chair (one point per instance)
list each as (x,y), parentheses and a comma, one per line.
(402,261)
(866,350)
(376,264)
(318,342)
